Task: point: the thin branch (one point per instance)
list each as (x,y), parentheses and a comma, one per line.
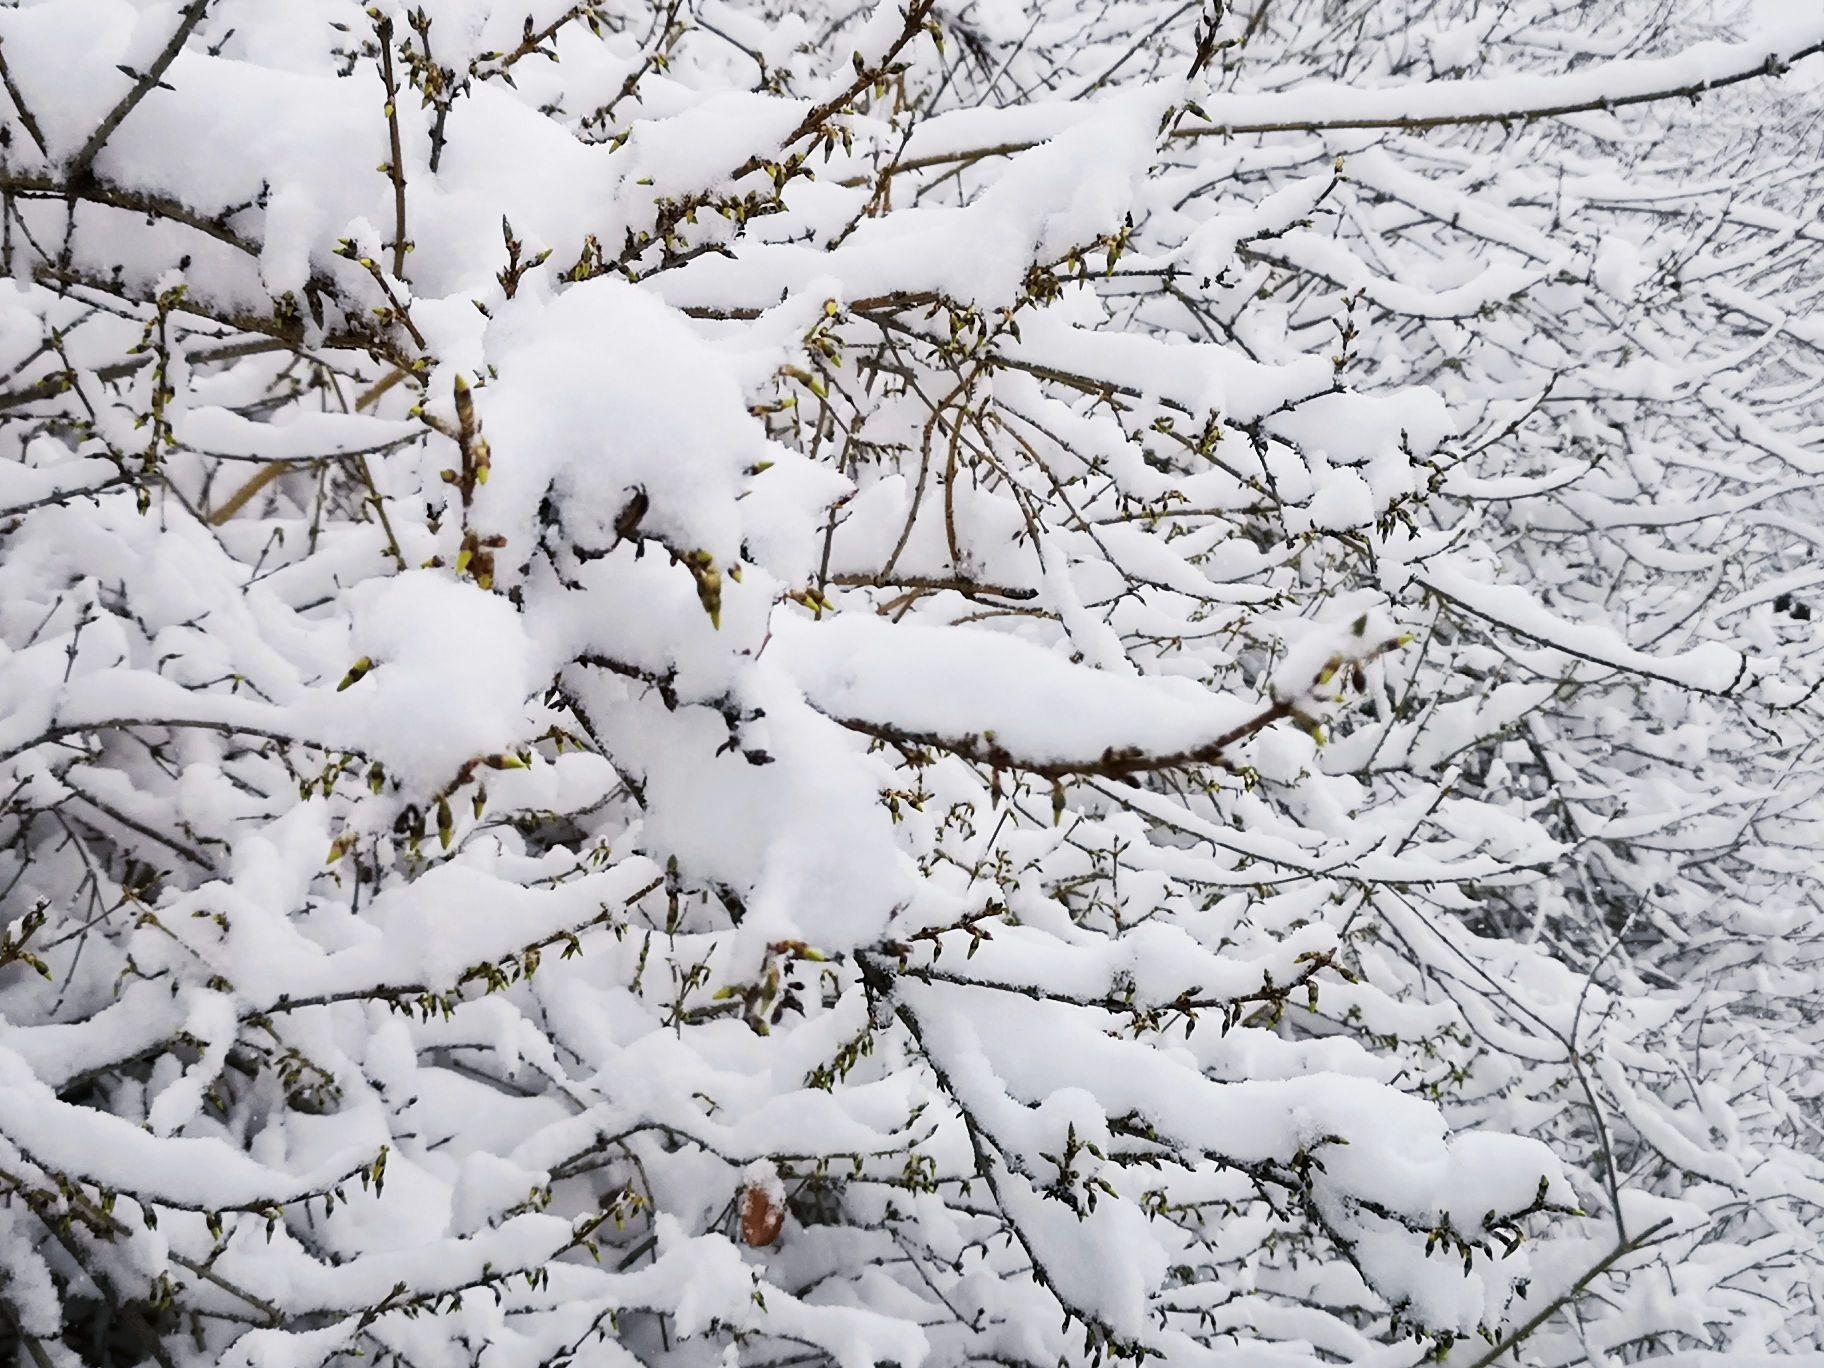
(532,41)
(395,166)
(84,159)
(62,731)
(25,112)
(1437,92)
(968,587)
(59,382)
(93,189)
(865,77)
(1621,1251)
(242,496)
(984,749)
(40,1359)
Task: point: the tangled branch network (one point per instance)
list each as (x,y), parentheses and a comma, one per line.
(750,683)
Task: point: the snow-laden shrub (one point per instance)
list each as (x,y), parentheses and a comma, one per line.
(949,684)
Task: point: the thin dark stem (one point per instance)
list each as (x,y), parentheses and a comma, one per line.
(150,78)
(395,166)
(25,113)
(1771,66)
(1621,1251)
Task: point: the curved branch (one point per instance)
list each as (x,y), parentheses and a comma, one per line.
(984,749)
(1441,104)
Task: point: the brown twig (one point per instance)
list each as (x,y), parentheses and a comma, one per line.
(242,496)
(1620,1251)
(1772,66)
(865,76)
(983,748)
(491,64)
(150,78)
(395,166)
(25,112)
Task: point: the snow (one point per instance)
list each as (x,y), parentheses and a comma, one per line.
(1166,693)
(610,394)
(432,700)
(1009,694)
(1711,667)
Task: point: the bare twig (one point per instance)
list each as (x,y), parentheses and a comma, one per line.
(395,166)
(1691,90)
(85,158)
(242,496)
(1621,1251)
(25,112)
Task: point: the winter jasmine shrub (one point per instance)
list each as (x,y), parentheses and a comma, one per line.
(764,682)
